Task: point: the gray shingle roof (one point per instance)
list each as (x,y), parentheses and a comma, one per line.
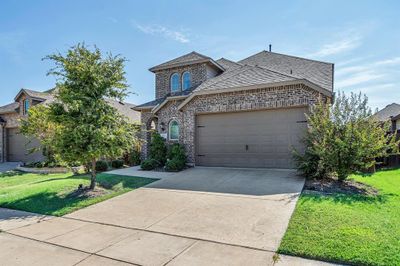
(187,59)
(320,73)
(125,109)
(228,64)
(390,110)
(9,108)
(244,76)
(152,103)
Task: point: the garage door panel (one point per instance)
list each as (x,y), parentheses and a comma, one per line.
(270,137)
(18,147)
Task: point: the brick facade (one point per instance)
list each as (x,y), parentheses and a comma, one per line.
(198,75)
(257,99)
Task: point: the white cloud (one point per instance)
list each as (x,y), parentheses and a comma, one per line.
(112,19)
(178,36)
(358,78)
(337,47)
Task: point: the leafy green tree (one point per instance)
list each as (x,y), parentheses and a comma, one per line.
(344,138)
(87,127)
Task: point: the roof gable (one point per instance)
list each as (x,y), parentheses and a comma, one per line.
(228,64)
(33,94)
(320,73)
(389,111)
(187,59)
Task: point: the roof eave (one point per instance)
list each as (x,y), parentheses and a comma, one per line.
(258,86)
(141,108)
(159,106)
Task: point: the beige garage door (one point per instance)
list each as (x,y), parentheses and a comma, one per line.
(250,139)
(18,147)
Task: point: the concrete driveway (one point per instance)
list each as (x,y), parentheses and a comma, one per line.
(212,216)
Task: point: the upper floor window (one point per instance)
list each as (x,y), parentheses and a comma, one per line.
(175,82)
(186,82)
(26,106)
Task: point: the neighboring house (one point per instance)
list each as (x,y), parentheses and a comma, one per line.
(390,113)
(249,113)
(14,147)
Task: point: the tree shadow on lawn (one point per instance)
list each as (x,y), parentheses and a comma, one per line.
(346,198)
(53,203)
(108,181)
(44,203)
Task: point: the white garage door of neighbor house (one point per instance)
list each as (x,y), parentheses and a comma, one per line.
(250,139)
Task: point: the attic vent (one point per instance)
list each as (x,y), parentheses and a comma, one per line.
(291,71)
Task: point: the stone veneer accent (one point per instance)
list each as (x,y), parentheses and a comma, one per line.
(198,74)
(257,99)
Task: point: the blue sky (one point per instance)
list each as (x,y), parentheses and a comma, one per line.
(362,38)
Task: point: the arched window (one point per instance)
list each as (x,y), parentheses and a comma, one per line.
(186,82)
(173,130)
(175,83)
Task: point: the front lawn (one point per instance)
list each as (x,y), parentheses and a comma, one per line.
(55,194)
(352,229)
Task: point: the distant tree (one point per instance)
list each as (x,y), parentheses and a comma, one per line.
(87,128)
(343,138)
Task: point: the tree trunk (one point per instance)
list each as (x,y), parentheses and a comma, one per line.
(93,175)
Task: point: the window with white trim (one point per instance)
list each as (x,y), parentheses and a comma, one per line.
(173,130)
(175,82)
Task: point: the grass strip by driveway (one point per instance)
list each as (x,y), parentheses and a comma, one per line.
(349,228)
(53,194)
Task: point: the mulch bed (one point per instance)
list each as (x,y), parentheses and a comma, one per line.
(85,192)
(332,186)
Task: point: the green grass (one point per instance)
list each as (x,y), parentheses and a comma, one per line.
(52,194)
(349,229)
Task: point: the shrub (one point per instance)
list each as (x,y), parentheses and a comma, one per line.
(149,164)
(176,158)
(134,158)
(117,164)
(343,139)
(101,166)
(158,149)
(174,165)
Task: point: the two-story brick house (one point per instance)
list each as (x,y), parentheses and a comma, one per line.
(249,113)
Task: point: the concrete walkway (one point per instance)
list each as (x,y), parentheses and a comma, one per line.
(202,216)
(4,167)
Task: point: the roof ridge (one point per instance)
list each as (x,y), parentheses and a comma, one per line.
(223,58)
(293,56)
(199,54)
